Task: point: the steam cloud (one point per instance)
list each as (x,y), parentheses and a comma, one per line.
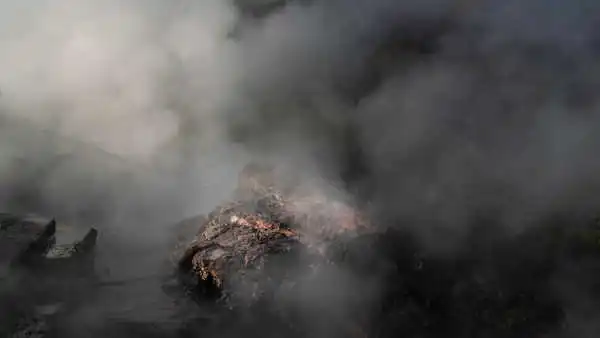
(163,101)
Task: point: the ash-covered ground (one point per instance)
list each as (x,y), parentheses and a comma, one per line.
(467,130)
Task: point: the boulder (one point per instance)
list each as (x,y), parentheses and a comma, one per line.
(38,275)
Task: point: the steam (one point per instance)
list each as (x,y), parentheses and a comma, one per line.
(104,72)
(160,103)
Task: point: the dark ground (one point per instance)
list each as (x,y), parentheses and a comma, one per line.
(498,284)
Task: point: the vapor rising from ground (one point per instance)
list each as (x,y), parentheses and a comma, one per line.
(138,113)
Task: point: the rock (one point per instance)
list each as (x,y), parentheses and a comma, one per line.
(249,248)
(24,239)
(72,258)
(235,240)
(36,274)
(234,244)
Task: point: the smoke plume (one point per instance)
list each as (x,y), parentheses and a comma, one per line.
(136,113)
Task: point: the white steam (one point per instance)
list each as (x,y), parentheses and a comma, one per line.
(103,71)
(501,118)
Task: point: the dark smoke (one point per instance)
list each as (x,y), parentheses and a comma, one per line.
(430,113)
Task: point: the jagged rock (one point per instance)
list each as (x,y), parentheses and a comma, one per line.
(234,241)
(36,273)
(23,239)
(250,247)
(72,258)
